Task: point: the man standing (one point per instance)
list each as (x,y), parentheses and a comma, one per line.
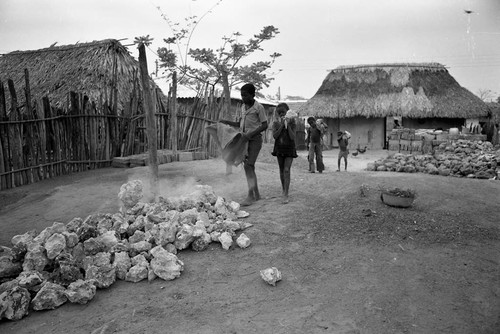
(313,142)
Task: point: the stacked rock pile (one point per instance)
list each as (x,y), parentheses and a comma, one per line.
(461,158)
(68,262)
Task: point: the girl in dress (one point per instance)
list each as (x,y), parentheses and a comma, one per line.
(284,145)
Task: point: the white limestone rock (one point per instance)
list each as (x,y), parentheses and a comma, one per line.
(9,268)
(49,297)
(166,265)
(104,276)
(166,233)
(122,264)
(81,292)
(29,279)
(71,239)
(55,245)
(130,193)
(226,240)
(137,273)
(271,275)
(35,258)
(184,237)
(243,241)
(14,303)
(23,238)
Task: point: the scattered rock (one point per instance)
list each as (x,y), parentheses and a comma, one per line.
(271,275)
(243,241)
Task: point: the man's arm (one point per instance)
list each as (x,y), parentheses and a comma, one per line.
(250,134)
(235,124)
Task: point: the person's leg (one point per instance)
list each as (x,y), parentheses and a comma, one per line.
(287,176)
(254,147)
(310,158)
(249,173)
(345,161)
(319,158)
(281,164)
(338,161)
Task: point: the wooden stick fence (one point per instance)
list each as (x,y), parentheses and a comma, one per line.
(39,140)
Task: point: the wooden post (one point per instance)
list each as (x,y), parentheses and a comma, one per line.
(150,121)
(174,113)
(227,104)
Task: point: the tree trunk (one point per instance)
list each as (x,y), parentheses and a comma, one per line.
(150,122)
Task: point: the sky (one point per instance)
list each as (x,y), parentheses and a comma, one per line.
(315,35)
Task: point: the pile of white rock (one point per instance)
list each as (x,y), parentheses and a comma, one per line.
(461,158)
(68,262)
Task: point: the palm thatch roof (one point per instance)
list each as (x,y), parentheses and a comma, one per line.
(413,90)
(99,69)
(494,111)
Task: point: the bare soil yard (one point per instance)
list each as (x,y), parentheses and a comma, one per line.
(431,268)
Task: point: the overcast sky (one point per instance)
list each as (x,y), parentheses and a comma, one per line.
(315,35)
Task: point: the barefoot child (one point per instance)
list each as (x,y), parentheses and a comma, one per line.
(284,146)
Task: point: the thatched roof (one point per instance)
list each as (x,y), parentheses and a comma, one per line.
(87,68)
(409,90)
(494,111)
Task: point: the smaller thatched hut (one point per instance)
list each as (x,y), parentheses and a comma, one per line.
(104,71)
(363,99)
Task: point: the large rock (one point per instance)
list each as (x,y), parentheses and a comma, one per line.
(108,240)
(137,273)
(23,238)
(93,246)
(104,276)
(86,231)
(81,292)
(49,297)
(74,224)
(130,193)
(166,232)
(184,237)
(36,258)
(30,279)
(165,264)
(71,239)
(14,303)
(122,264)
(9,268)
(120,224)
(226,240)
(55,245)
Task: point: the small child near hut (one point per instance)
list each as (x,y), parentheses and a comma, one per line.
(343,140)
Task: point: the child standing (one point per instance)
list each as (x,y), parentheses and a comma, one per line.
(284,146)
(344,152)
(313,142)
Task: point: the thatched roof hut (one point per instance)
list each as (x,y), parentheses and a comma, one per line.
(104,71)
(414,90)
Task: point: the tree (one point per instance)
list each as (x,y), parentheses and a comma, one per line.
(222,66)
(485,94)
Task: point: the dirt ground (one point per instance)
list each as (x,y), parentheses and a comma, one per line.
(431,268)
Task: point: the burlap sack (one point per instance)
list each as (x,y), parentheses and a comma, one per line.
(230,141)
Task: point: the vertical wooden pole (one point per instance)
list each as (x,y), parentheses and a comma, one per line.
(227,104)
(150,121)
(30,131)
(4,138)
(174,113)
(15,134)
